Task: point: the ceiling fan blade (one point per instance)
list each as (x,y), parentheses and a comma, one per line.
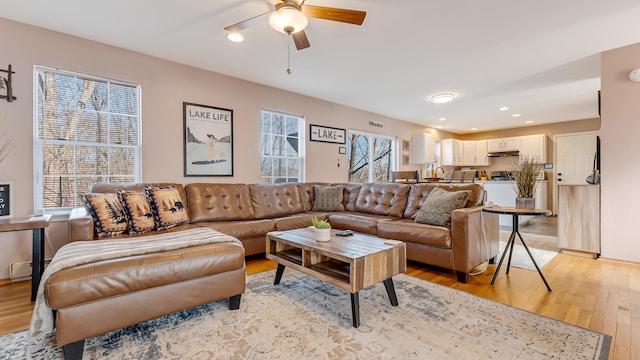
(300,39)
(249,22)
(355,17)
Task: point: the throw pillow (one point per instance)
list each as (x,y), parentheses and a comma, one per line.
(138,210)
(437,208)
(167,207)
(107,213)
(327,198)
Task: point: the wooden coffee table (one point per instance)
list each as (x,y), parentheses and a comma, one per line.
(351,263)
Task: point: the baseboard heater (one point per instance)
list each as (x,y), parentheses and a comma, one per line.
(21,271)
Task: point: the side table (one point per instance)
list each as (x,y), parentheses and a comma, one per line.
(515,213)
(37,224)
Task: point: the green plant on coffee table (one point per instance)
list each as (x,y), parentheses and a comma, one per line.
(320,224)
(525,175)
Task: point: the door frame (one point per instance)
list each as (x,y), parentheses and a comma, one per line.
(554,182)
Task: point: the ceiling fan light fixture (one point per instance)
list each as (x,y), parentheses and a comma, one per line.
(235,37)
(442,98)
(288,17)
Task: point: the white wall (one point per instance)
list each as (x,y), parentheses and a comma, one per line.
(620,132)
(165,85)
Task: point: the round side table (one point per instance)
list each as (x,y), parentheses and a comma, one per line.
(515,214)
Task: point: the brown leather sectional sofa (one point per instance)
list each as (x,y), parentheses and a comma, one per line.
(388,210)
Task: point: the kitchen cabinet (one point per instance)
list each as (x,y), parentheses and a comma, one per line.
(504,144)
(475,153)
(423,149)
(579,217)
(452,152)
(503,193)
(534,147)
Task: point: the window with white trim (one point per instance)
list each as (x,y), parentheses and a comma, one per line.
(86,130)
(370,157)
(281,147)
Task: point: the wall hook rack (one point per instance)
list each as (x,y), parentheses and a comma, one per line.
(5,83)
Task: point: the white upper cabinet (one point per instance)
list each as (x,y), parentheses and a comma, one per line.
(475,153)
(463,153)
(452,152)
(534,147)
(482,148)
(504,144)
(468,152)
(423,149)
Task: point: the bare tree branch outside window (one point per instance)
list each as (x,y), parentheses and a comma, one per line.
(362,165)
(280,147)
(88,131)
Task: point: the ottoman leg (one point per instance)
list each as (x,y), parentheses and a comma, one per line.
(234,302)
(73,351)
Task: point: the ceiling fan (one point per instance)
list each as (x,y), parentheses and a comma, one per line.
(290,17)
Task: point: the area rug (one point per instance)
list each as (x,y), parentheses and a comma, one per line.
(543,248)
(305,318)
(536,241)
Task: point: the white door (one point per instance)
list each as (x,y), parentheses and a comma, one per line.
(574,160)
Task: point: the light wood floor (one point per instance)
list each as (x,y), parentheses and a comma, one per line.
(600,295)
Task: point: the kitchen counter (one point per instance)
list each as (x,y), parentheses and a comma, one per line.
(503,193)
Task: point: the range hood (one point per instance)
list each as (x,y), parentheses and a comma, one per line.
(503,153)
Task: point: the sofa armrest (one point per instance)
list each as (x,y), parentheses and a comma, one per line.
(474,237)
(80,225)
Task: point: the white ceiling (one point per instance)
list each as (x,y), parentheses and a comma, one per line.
(540,58)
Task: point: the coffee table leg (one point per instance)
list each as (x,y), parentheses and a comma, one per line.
(279,272)
(391,291)
(355,309)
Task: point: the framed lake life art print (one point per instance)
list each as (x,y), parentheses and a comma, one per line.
(208,140)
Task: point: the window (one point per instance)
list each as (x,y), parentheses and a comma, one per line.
(86,129)
(370,157)
(281,147)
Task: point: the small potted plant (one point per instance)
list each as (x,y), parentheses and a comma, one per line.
(322,229)
(525,175)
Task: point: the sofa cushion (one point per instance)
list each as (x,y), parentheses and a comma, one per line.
(167,206)
(242,229)
(413,232)
(219,202)
(328,198)
(438,206)
(138,211)
(350,195)
(306,193)
(419,193)
(275,200)
(382,199)
(359,222)
(107,212)
(297,221)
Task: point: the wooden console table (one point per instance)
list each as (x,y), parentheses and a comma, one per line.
(37,224)
(515,213)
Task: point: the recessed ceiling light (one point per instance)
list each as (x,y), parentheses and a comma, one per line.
(528,122)
(442,98)
(474,129)
(516,115)
(235,37)
(504,108)
(442,119)
(439,127)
